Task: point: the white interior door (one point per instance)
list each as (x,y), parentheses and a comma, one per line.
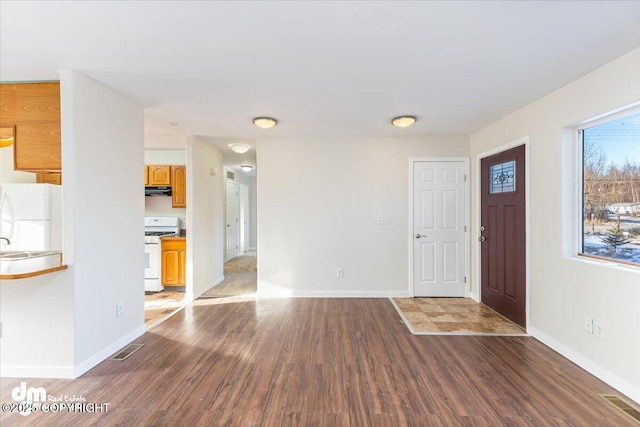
(439,229)
(233,220)
(244,217)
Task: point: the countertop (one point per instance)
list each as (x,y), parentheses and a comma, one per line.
(35,264)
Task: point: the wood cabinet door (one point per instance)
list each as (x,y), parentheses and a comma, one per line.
(170,268)
(173,261)
(159,175)
(146,175)
(34,110)
(49,178)
(178,186)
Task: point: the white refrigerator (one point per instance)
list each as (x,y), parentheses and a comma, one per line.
(31,216)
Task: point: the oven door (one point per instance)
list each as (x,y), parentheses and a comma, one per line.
(152,267)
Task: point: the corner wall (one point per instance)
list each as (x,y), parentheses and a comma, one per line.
(318,203)
(205,216)
(103,154)
(566,289)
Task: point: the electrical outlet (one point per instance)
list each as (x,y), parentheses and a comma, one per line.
(340,273)
(588,325)
(119,309)
(598,330)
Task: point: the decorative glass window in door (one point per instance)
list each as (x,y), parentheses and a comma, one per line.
(502,177)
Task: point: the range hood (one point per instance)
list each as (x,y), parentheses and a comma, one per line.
(157,191)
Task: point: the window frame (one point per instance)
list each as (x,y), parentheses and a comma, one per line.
(579,171)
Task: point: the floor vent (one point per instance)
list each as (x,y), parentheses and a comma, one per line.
(128,351)
(623,406)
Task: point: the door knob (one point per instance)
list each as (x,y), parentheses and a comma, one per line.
(482,238)
(420,235)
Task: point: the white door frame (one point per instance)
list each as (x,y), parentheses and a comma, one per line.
(226,219)
(467,216)
(243,193)
(477,295)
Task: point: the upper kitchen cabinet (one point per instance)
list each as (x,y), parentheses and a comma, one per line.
(159,175)
(33,109)
(178,186)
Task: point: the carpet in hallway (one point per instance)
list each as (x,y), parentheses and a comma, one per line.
(240,277)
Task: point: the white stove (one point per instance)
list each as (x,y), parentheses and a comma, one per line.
(156,227)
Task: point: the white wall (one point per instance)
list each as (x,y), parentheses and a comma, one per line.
(161,206)
(564,288)
(165,157)
(37,316)
(205,216)
(318,204)
(7,173)
(103,154)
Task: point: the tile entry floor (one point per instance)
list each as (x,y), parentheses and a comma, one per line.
(453,316)
(159,306)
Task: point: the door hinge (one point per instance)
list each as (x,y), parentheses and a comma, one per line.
(465,279)
(465,177)
(465,228)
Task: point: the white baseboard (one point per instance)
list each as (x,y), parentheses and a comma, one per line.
(18,371)
(101,355)
(474,297)
(333,294)
(630,390)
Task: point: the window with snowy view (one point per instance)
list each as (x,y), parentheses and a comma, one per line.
(611,190)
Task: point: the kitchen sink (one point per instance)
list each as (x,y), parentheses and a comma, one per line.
(21,262)
(25,254)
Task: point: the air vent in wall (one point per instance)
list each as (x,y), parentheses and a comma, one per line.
(231,175)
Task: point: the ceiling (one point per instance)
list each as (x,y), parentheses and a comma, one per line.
(323,69)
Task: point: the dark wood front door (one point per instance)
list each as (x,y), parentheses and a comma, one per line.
(502,233)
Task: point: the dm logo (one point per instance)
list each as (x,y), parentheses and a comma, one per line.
(29,396)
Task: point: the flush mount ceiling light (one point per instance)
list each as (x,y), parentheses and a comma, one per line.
(403,121)
(240,148)
(246,168)
(265,122)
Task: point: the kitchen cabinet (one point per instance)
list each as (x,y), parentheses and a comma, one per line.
(178,186)
(146,175)
(159,175)
(49,178)
(174,257)
(34,110)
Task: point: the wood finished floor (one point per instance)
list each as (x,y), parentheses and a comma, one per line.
(325,362)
